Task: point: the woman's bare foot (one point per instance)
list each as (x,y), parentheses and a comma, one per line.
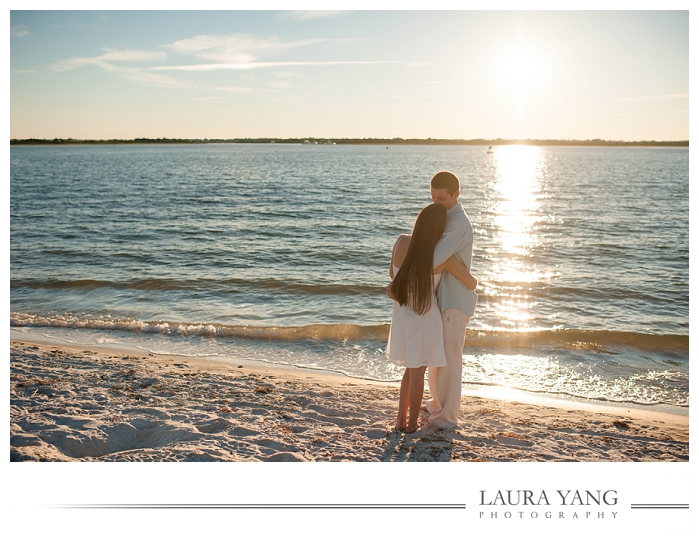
(400,423)
(411,429)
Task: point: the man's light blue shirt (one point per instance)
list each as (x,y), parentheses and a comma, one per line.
(457,240)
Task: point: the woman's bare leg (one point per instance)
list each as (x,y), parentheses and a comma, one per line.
(403,402)
(417,386)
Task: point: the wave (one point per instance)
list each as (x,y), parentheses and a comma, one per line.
(297,287)
(571,339)
(590,340)
(343,331)
(225,285)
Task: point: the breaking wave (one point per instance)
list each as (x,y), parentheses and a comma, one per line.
(573,339)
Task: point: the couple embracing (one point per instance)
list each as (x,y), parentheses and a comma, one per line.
(434,299)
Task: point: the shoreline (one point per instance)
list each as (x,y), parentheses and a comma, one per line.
(80,403)
(485,391)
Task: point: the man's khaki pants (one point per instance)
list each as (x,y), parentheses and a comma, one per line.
(445,382)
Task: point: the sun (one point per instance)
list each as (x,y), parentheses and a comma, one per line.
(521,69)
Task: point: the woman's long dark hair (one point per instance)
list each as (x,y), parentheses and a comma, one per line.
(414,284)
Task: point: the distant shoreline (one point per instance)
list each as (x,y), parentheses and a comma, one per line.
(386,142)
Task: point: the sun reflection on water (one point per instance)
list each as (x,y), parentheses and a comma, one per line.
(515,195)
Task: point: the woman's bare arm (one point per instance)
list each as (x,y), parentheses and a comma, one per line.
(400,249)
(458,270)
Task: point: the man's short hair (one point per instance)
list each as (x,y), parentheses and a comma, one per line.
(446,180)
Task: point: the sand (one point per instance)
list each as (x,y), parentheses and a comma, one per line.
(71,403)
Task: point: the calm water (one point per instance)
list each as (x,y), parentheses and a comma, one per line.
(279,254)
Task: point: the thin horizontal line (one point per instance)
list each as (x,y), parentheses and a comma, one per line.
(659,506)
(261,506)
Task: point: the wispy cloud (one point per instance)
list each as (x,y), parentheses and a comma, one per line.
(237,52)
(144,77)
(314,14)
(241,52)
(108,58)
(19,31)
(233,49)
(112,60)
(240,90)
(262,64)
(130,55)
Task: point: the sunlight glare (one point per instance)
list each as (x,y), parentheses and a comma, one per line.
(516,207)
(521,70)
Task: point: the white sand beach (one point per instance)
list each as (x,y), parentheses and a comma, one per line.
(70,403)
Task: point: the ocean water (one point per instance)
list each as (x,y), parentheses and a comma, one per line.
(279,254)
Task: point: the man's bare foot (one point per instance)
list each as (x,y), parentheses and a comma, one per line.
(411,429)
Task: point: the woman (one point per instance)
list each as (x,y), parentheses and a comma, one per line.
(415,338)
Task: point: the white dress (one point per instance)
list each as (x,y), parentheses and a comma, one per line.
(416,340)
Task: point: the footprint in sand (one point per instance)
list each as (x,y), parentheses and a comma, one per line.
(216,426)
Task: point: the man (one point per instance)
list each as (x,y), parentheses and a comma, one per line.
(456,302)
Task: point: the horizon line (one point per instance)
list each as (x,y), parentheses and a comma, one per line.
(396,140)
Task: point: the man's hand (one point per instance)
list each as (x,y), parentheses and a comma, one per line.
(389,292)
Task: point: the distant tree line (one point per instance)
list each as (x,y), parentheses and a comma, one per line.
(395,141)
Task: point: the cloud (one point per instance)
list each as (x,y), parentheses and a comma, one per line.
(240,90)
(130,55)
(107,59)
(314,14)
(231,52)
(254,65)
(232,49)
(110,60)
(140,76)
(241,52)
(19,31)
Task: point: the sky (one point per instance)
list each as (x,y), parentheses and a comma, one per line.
(615,75)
